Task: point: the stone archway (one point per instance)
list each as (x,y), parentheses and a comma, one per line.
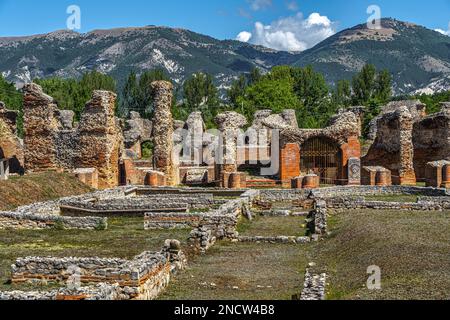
(322,156)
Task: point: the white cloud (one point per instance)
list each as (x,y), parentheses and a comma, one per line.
(292,5)
(257,5)
(244,36)
(447,33)
(293,33)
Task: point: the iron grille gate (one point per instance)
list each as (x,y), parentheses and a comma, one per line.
(322,157)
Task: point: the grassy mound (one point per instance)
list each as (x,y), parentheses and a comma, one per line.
(19,191)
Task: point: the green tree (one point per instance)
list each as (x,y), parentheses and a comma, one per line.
(255,75)
(237,90)
(13,100)
(383,88)
(137,94)
(71,94)
(267,93)
(342,96)
(364,85)
(199,91)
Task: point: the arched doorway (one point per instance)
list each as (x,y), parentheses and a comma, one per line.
(322,156)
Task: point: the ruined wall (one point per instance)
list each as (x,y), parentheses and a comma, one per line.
(52,143)
(41,126)
(142,278)
(137,130)
(393,148)
(100,139)
(343,129)
(10,145)
(431,139)
(406,140)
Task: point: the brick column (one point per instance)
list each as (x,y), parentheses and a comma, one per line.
(163,131)
(289,164)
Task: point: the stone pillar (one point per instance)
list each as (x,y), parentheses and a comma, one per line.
(406,171)
(354,172)
(235,181)
(351,149)
(311,181)
(152,179)
(297,183)
(433,174)
(193,148)
(163,130)
(446,177)
(382,178)
(229,124)
(4,169)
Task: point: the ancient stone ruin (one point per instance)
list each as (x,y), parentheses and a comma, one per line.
(11,147)
(407,146)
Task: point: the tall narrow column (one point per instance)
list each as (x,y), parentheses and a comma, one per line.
(163,131)
(406,171)
(229,124)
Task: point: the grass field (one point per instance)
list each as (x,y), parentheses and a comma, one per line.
(238,271)
(273,226)
(411,248)
(125,238)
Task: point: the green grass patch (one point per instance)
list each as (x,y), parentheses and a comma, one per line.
(241,271)
(273,226)
(411,248)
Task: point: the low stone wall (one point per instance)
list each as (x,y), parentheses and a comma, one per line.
(155,220)
(101,291)
(360,203)
(142,278)
(331,192)
(443,201)
(26,221)
(277,239)
(221,223)
(318,219)
(53,207)
(314,286)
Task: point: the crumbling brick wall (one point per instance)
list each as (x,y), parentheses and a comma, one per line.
(41,126)
(406,141)
(52,144)
(393,148)
(100,139)
(431,139)
(10,145)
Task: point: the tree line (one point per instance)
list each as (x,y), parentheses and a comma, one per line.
(284,87)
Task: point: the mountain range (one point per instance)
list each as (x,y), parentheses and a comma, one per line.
(417,57)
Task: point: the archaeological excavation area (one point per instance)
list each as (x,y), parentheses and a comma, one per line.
(257,209)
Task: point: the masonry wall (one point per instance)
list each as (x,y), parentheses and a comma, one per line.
(393,148)
(51,143)
(431,139)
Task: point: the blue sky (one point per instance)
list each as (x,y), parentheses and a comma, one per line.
(221,19)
